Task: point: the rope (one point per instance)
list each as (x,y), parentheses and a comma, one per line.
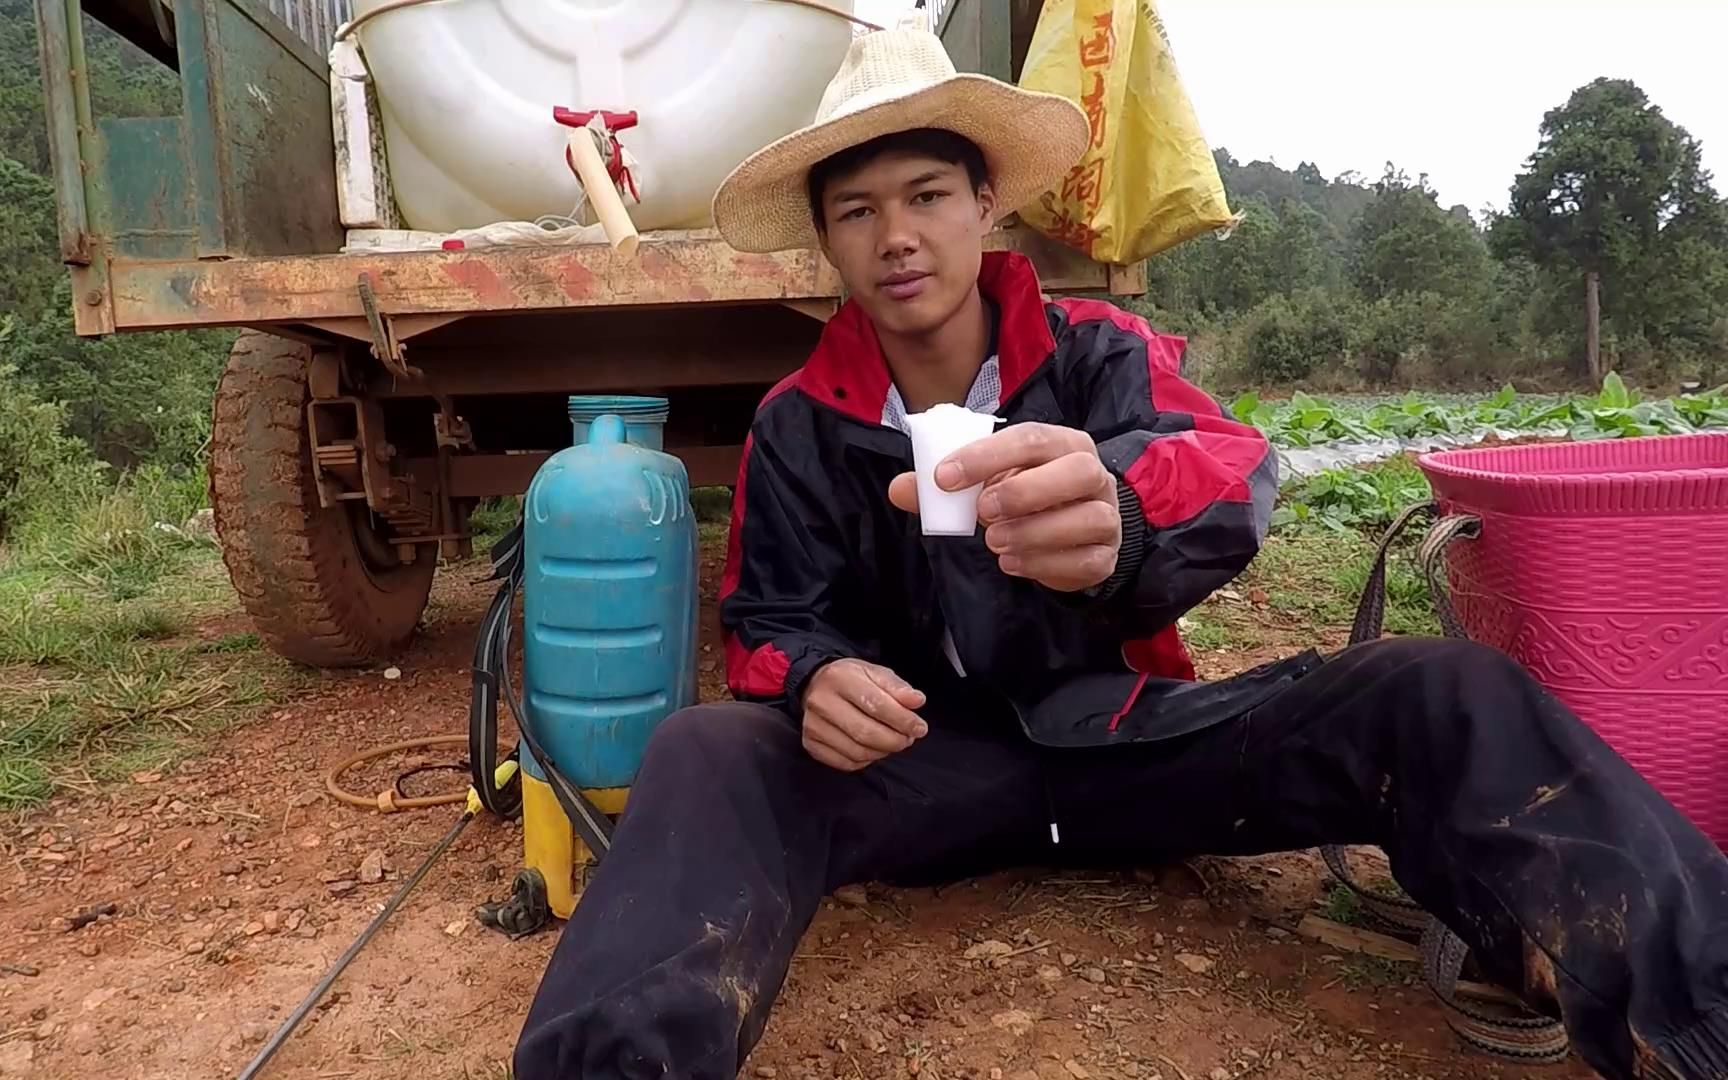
(349,27)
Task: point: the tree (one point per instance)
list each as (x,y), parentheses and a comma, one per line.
(1243,270)
(132,398)
(29,243)
(23,131)
(1609,172)
(1405,243)
(1299,257)
(1216,275)
(1337,201)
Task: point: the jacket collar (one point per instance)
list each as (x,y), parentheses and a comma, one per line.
(848,373)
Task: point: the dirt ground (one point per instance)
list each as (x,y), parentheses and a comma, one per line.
(234,881)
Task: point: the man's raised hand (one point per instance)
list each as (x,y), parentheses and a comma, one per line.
(1048,504)
(856,713)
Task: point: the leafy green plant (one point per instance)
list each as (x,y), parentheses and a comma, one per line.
(1352,499)
(1301,421)
(1343,906)
(1618,413)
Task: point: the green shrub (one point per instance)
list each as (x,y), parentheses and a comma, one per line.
(1276,350)
(133,398)
(39,462)
(1388,329)
(1288,339)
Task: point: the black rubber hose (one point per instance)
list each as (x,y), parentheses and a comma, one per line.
(282,1033)
(490,655)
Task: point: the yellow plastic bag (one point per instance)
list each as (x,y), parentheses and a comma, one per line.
(1148,181)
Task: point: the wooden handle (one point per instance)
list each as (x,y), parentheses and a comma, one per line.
(602,194)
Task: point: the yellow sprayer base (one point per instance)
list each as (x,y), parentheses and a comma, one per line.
(549,844)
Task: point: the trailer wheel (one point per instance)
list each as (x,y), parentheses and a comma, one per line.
(324,587)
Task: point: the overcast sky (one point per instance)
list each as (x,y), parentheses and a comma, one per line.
(1453,88)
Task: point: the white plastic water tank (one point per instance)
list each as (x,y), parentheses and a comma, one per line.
(467,88)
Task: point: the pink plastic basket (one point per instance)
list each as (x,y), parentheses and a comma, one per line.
(1602,567)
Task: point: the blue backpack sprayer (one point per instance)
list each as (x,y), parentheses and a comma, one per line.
(606,561)
(605,557)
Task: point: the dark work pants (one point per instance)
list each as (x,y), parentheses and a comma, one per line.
(1565,872)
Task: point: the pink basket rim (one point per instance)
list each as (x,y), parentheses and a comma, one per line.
(1653,473)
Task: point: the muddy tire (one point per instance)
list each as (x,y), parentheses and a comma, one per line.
(317,594)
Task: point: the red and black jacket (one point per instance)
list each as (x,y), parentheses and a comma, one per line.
(821,565)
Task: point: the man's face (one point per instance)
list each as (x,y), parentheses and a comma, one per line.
(906,233)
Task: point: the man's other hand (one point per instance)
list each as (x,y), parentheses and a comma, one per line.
(1048,504)
(856,713)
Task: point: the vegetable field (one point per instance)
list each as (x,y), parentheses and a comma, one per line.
(1616,412)
(1346,464)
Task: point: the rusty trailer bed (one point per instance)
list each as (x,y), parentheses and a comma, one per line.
(322,291)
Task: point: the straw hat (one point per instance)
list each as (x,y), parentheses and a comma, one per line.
(898,80)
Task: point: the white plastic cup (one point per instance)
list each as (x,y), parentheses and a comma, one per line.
(936,434)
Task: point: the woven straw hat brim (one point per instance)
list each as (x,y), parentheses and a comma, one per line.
(1030,140)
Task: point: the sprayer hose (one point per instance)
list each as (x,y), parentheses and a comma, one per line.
(276,1040)
(388,6)
(387,800)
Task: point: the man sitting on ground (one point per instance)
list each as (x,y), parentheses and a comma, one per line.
(921,707)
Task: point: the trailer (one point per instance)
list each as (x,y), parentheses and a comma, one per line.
(373,399)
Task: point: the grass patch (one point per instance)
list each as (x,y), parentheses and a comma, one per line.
(1363,970)
(1343,906)
(1409,602)
(94,690)
(712,536)
(97,676)
(1203,631)
(75,628)
(1318,578)
(492,519)
(1297,572)
(119,540)
(233,643)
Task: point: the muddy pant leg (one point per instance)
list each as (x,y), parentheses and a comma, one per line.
(1510,819)
(679,946)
